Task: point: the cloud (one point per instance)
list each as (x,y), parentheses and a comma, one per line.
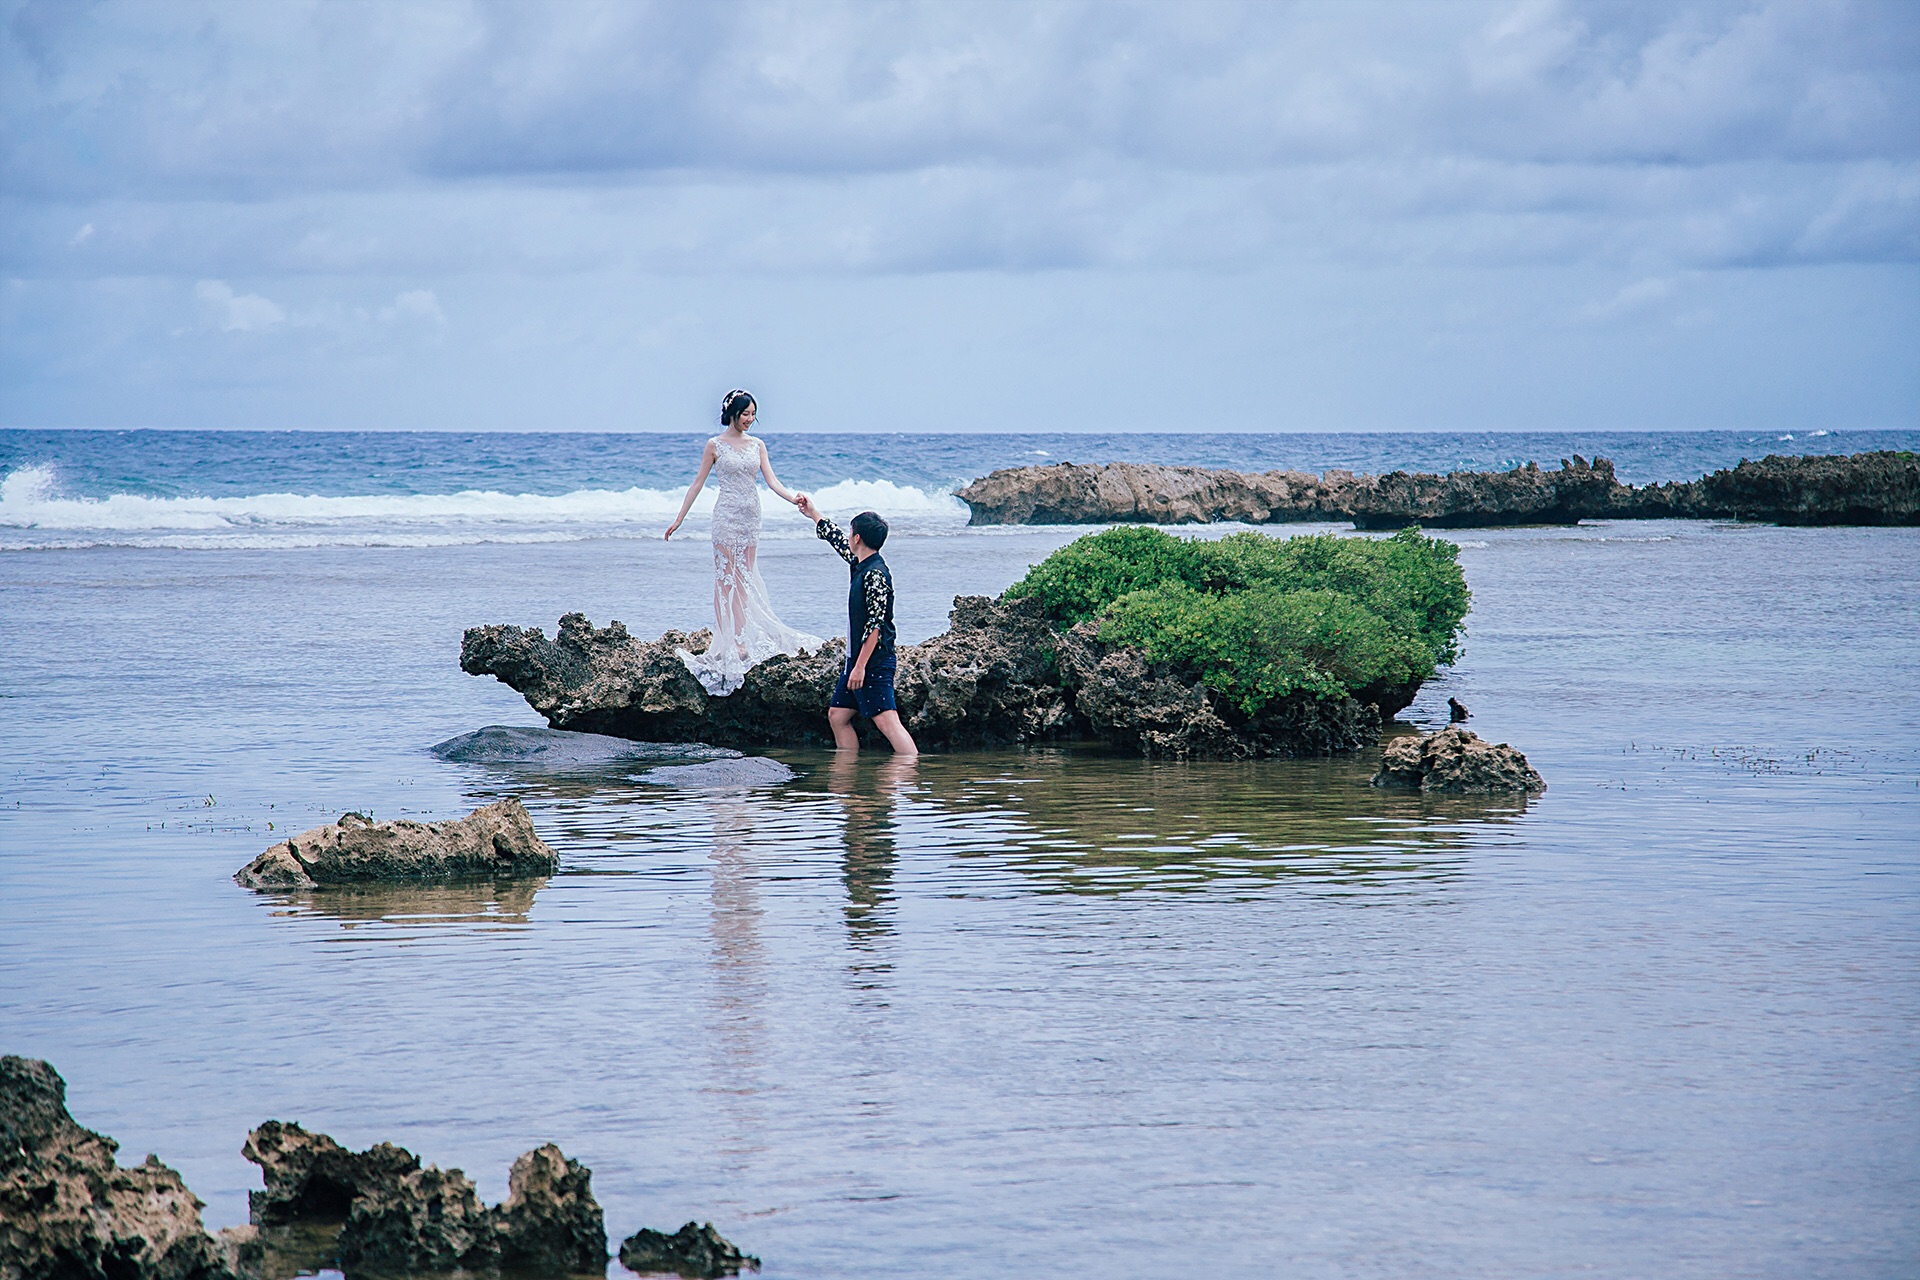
(414,304)
(444,183)
(237,312)
(1631,299)
(855,136)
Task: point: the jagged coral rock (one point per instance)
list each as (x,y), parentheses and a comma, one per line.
(309,1176)
(550,1220)
(397,1215)
(989,679)
(696,1249)
(68,1211)
(427,1219)
(496,841)
(1456,760)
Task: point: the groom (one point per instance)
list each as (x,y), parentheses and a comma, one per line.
(866,685)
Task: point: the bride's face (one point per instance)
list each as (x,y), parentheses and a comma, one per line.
(745,421)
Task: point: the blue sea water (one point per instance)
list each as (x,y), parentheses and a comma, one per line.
(1004,1012)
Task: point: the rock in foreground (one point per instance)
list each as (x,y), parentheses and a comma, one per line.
(68,1211)
(398,1216)
(494,842)
(694,1250)
(1863,489)
(1456,760)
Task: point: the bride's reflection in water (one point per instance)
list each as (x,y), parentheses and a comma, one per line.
(869,792)
(738,991)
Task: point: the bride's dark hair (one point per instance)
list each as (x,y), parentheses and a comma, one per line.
(733,404)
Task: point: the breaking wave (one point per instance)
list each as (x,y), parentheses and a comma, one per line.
(36,513)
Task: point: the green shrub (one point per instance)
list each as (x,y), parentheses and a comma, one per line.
(1258,617)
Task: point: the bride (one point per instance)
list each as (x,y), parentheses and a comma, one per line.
(745,628)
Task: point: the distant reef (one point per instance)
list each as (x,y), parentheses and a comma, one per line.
(1863,489)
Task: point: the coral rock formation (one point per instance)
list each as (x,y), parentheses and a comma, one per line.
(67,1210)
(497,841)
(693,1250)
(399,1216)
(1001,674)
(1456,760)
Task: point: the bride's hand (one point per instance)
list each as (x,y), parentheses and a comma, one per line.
(798,499)
(668,535)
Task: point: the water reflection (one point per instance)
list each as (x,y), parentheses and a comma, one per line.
(1082,821)
(737,1003)
(396,908)
(869,789)
(1051,820)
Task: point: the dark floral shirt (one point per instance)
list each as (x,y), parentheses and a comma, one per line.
(879,592)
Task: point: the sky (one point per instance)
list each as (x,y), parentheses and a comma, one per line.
(961,215)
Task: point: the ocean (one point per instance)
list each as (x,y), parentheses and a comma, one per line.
(1001,1012)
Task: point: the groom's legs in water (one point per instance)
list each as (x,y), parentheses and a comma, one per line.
(840,720)
(887,722)
(873,700)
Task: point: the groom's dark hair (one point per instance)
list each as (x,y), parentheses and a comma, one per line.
(871,528)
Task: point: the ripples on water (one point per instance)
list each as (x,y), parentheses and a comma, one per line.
(1043,1012)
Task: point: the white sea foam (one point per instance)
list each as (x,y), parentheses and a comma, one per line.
(31,499)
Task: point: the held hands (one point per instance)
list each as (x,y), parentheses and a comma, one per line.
(806,506)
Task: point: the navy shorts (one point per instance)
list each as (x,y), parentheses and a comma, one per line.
(874,696)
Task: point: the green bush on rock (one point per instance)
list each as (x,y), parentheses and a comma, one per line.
(1258,618)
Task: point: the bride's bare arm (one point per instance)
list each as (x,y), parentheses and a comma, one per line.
(693,490)
(766,469)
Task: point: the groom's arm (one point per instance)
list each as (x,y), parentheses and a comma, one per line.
(829,532)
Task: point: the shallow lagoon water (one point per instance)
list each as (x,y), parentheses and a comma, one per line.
(1044,1012)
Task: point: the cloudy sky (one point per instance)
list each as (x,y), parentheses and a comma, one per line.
(1175,214)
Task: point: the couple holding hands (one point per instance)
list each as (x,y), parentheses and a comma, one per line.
(746,631)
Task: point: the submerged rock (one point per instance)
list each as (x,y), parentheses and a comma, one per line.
(68,1211)
(1455,760)
(1001,674)
(394,1215)
(696,1249)
(497,841)
(749,771)
(560,751)
(1864,488)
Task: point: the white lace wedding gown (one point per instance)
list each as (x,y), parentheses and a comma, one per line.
(746,631)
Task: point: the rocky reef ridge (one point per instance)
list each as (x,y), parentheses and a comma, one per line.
(1864,488)
(494,842)
(1001,674)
